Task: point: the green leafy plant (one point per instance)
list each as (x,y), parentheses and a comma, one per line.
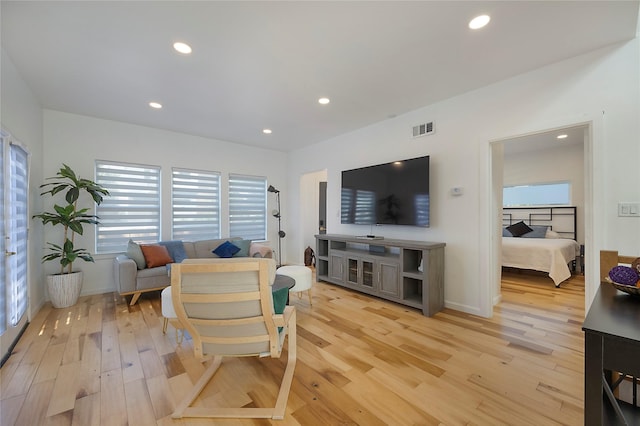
(69,216)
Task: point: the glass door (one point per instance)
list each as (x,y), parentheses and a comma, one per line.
(14,219)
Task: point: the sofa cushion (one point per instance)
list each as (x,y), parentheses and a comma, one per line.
(176,250)
(203,249)
(135,253)
(226,249)
(243,245)
(155,255)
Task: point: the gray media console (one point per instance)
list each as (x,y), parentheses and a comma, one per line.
(403,271)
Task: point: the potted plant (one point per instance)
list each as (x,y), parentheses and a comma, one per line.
(64,287)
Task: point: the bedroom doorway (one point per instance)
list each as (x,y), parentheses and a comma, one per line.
(313,206)
(540,158)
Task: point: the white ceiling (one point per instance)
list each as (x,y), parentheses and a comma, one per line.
(546,140)
(265,64)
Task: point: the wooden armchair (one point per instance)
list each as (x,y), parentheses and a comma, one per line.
(226,306)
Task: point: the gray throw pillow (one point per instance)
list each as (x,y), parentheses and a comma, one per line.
(243,245)
(135,252)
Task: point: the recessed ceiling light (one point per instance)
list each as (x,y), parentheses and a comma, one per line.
(155,105)
(323,101)
(266,131)
(182,47)
(561,136)
(479,22)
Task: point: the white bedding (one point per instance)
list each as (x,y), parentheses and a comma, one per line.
(541,254)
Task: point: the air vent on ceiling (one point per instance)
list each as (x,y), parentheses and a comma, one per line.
(423,129)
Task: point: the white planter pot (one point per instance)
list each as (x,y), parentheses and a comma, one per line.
(64,289)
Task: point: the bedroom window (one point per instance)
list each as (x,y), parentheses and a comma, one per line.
(248,207)
(132,210)
(195,204)
(543,194)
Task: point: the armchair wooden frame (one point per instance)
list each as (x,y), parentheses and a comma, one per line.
(246,326)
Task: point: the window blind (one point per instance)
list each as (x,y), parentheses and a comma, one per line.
(247,207)
(3,288)
(18,218)
(132,210)
(195,204)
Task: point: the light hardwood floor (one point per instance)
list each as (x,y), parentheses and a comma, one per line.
(361,361)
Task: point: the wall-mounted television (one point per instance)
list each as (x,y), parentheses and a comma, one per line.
(395,193)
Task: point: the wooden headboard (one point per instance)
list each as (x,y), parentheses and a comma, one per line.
(560,219)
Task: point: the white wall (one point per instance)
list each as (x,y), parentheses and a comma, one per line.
(21,116)
(79,140)
(549,165)
(571,92)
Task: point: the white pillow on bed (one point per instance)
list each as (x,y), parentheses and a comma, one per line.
(552,234)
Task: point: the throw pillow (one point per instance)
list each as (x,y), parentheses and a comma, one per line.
(551,234)
(243,245)
(226,250)
(155,255)
(135,253)
(506,233)
(537,231)
(519,229)
(176,250)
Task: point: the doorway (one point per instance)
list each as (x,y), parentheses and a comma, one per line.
(310,209)
(537,158)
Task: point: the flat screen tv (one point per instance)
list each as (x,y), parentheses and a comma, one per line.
(395,193)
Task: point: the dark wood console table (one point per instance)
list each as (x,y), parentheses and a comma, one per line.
(612,344)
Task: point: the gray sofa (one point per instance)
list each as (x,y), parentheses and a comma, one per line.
(133,278)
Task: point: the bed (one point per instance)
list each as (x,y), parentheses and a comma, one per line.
(550,247)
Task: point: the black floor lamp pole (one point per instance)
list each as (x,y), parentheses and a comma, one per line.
(281,233)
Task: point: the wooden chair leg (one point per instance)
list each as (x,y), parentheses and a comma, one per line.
(165,323)
(197,388)
(287,378)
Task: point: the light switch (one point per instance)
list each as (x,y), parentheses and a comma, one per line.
(629,209)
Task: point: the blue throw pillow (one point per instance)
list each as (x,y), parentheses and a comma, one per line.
(243,245)
(537,231)
(226,249)
(176,250)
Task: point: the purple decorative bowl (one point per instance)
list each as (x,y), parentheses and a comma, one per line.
(624,275)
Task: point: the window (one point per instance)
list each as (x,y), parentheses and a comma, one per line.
(132,210)
(543,194)
(247,207)
(195,204)
(14,222)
